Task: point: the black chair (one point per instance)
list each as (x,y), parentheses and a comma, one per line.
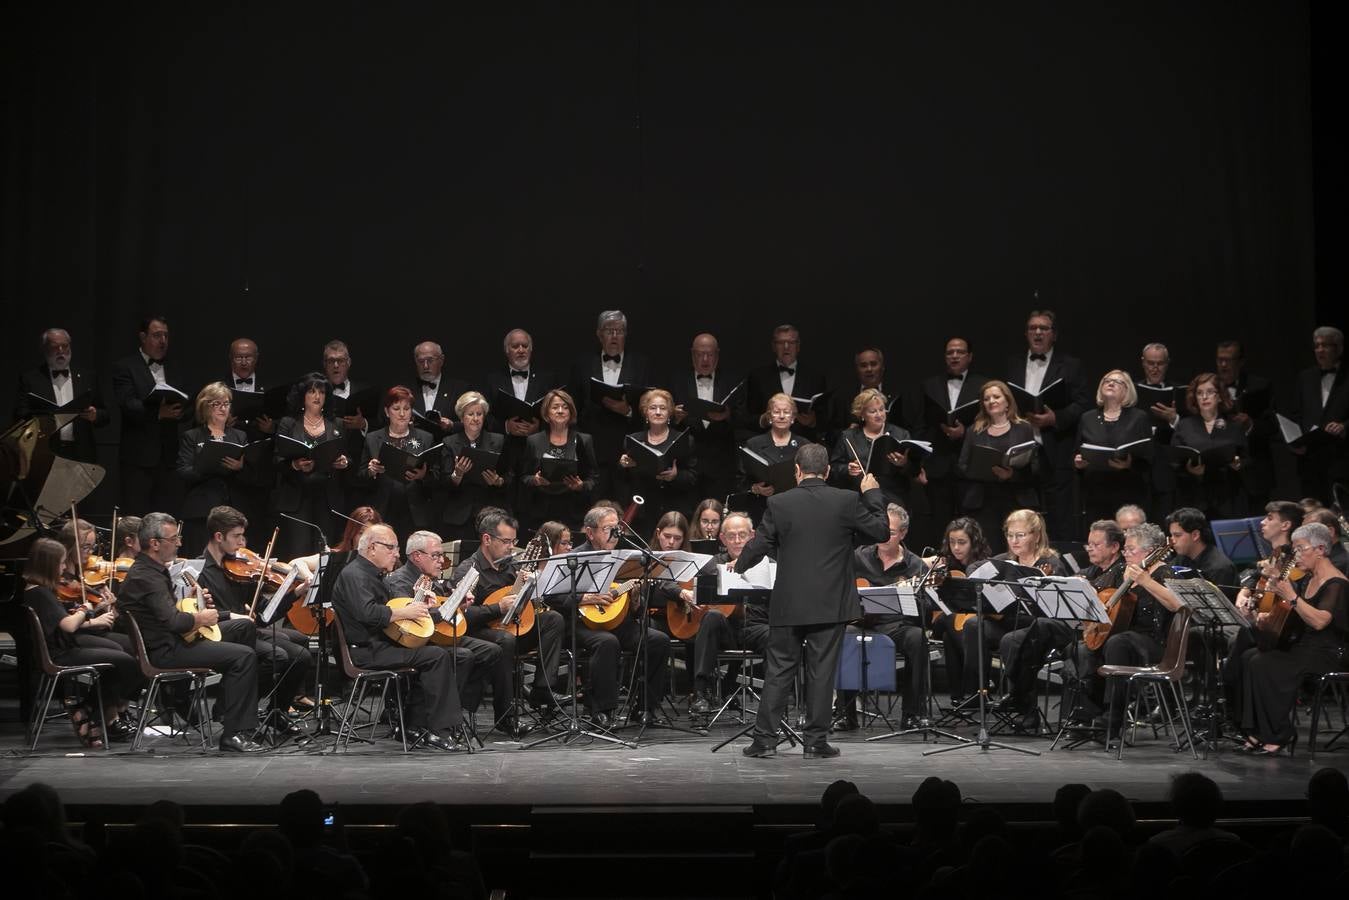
(51,675)
(1324,683)
(361,680)
(1166,674)
(195,676)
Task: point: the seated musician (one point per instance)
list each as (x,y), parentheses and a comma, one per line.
(480,659)
(1312,643)
(497,532)
(885,564)
(61,622)
(963,547)
(284,660)
(207,489)
(71,587)
(1339,553)
(602,531)
(148,597)
(1105,541)
(746,629)
(433,716)
(706,520)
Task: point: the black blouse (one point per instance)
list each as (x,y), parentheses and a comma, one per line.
(50,611)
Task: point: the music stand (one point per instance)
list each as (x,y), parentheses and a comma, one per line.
(564,579)
(1240,539)
(733,589)
(1211,610)
(320,598)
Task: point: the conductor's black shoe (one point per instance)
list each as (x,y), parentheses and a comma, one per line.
(757,750)
(237,743)
(821,750)
(437,742)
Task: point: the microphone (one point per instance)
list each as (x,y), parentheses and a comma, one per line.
(323,538)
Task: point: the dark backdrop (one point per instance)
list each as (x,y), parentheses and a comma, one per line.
(890,173)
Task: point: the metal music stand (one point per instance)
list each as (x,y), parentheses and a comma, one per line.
(276,607)
(564,579)
(876,601)
(1211,610)
(329,568)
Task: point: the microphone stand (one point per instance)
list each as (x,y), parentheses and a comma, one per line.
(323,711)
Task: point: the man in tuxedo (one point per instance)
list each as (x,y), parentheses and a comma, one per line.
(788,376)
(811,531)
(1252,398)
(955,387)
(436,393)
(1040,366)
(713,436)
(341,387)
(150,423)
(58,383)
(1322,401)
(525,382)
(252,488)
(605,418)
(1156,365)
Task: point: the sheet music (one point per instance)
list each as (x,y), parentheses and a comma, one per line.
(176,570)
(680,565)
(997,596)
(1070,598)
(894,599)
(760,577)
(932,595)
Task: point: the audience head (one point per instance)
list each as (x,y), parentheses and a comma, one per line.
(1195,799)
(300,818)
(1067,799)
(1106,808)
(1328,799)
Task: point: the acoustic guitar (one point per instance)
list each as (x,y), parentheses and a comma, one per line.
(1120,604)
(685,619)
(191,604)
(607,618)
(411,633)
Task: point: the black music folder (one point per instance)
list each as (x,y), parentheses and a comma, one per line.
(983,458)
(78,404)
(1294,436)
(366,401)
(807,404)
(1172,395)
(163,393)
(651,461)
(556,468)
(249,405)
(698,409)
(781,475)
(210,455)
(1098,456)
(937,414)
(405,459)
(483,459)
(1051,396)
(323,453)
(507,406)
(424,421)
(1218,455)
(601,388)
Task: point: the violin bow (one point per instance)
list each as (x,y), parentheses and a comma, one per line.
(262,574)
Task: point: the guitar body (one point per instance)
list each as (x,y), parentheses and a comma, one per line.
(1120,608)
(524,615)
(684,622)
(609,617)
(303,620)
(191,606)
(1278,628)
(962,619)
(410,633)
(448,633)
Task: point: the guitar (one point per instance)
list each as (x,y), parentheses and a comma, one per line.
(1282,559)
(1120,604)
(447,632)
(685,619)
(191,604)
(515,601)
(411,633)
(1275,628)
(607,618)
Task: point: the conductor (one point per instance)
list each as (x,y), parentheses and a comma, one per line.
(811,531)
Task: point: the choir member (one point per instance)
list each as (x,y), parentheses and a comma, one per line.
(607,419)
(674,487)
(852,458)
(706,519)
(253,486)
(1322,402)
(963,547)
(526,382)
(402,495)
(869,367)
(928,416)
(745,629)
(778,444)
(786,375)
(469,492)
(148,597)
(341,388)
(150,422)
(120,682)
(567,498)
(1116,421)
(1319,618)
(303,492)
(715,434)
(1157,396)
(990,498)
(1252,404)
(207,486)
(1212,480)
(1042,365)
(57,382)
(436,392)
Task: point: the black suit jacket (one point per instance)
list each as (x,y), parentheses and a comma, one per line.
(38,381)
(448,392)
(465,500)
(147,441)
(383,487)
(540,382)
(1308,410)
(1059,441)
(205,491)
(716,440)
(945,452)
(291,486)
(763,382)
(812,532)
(605,427)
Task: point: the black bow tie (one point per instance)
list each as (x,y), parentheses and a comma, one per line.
(1038,356)
(960,378)
(704,377)
(340,387)
(788,369)
(57,372)
(516,373)
(613,359)
(430,384)
(1331,371)
(248,381)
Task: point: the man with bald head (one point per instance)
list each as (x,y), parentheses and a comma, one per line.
(522,379)
(252,489)
(714,432)
(59,383)
(360,599)
(435,394)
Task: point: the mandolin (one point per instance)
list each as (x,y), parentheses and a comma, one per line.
(514,601)
(1282,559)
(1120,604)
(685,619)
(607,618)
(411,633)
(1275,627)
(191,604)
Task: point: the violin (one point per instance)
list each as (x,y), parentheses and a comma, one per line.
(246,565)
(76,592)
(99,571)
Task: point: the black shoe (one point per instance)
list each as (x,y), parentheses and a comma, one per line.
(757,750)
(914,722)
(821,750)
(1006,704)
(436,742)
(1027,722)
(285,726)
(120,730)
(237,743)
(701,705)
(602,720)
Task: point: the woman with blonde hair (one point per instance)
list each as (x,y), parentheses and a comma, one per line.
(854,455)
(778,444)
(988,496)
(1109,481)
(208,486)
(672,487)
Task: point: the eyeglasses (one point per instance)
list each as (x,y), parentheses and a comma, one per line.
(1039,327)
(612,329)
(434,554)
(1298,551)
(386,545)
(1115,381)
(244,357)
(562,542)
(504,540)
(171,539)
(220,404)
(1098,545)
(1017,535)
(1206,393)
(429,359)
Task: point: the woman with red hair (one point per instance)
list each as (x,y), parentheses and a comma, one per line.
(401,494)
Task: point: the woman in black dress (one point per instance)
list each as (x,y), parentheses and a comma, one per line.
(61,627)
(567,498)
(403,497)
(675,488)
(777,444)
(895,473)
(1314,642)
(1116,421)
(469,490)
(990,500)
(1213,484)
(963,547)
(302,491)
(207,489)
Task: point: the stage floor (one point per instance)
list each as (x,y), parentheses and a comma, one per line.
(666,768)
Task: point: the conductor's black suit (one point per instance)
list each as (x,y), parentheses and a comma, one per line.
(811,531)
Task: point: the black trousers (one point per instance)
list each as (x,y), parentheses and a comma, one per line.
(283,663)
(1024,652)
(547,636)
(123,682)
(1131,648)
(911,642)
(486,661)
(822,645)
(657,660)
(717,633)
(433,702)
(237,664)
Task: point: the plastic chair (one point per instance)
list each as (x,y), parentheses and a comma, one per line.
(361,681)
(156,676)
(51,675)
(1168,674)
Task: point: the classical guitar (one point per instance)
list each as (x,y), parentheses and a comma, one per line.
(607,618)
(1120,604)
